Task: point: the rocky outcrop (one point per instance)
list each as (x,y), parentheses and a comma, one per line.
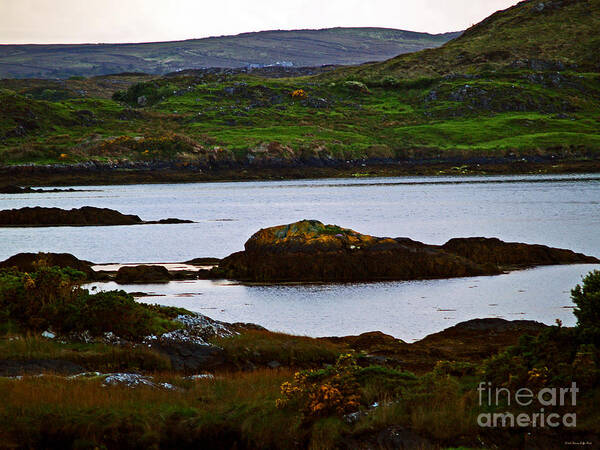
(189,348)
(86,216)
(310,251)
(142,274)
(505,254)
(29,262)
(466,342)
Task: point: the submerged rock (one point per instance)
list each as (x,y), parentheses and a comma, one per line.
(309,251)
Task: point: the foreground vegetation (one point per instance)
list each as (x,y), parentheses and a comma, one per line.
(321,394)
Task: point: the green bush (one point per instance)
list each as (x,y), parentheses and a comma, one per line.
(38,299)
(152,91)
(587,300)
(50,298)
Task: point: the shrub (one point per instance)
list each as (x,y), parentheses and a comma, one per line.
(151,91)
(587,301)
(163,146)
(50,298)
(118,312)
(318,393)
(299,94)
(35,300)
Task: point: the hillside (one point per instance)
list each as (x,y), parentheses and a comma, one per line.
(549,35)
(301,48)
(528,101)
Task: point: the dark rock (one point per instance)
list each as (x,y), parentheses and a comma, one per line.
(130,114)
(142,274)
(494,251)
(169,221)
(539,65)
(86,118)
(85,216)
(60,217)
(18,131)
(184,274)
(29,262)
(492,324)
(12,189)
(368,341)
(310,251)
(189,349)
(14,368)
(208,261)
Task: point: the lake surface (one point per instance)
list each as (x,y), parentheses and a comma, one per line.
(559,210)
(408,310)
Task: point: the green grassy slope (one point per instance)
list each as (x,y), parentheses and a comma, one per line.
(198,119)
(549,35)
(301,47)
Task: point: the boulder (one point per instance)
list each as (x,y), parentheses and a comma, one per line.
(190,357)
(142,274)
(311,251)
(29,262)
(189,347)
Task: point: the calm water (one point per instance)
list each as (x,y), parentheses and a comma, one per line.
(408,310)
(561,211)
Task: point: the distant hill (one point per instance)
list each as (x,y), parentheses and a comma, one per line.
(301,48)
(534,34)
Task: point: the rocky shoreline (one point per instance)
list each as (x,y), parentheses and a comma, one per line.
(133,172)
(191,350)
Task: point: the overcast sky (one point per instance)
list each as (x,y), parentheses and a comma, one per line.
(77,21)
